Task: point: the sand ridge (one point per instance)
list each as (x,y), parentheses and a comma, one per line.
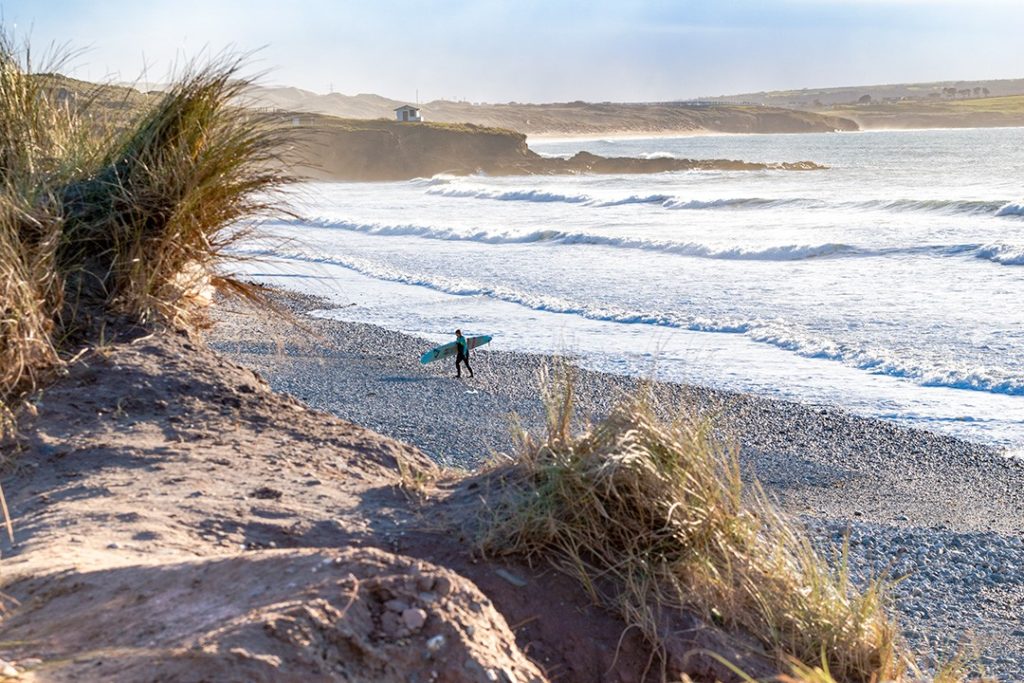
(177,520)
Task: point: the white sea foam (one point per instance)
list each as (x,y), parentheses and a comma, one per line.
(1008,255)
(995,207)
(779,333)
(513,195)
(433,181)
(1003,254)
(1011,209)
(783,252)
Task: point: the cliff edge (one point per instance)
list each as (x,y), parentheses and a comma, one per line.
(380,150)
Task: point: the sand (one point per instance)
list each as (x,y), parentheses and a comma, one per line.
(176,520)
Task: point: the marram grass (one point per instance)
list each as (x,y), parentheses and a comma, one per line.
(123,215)
(650,515)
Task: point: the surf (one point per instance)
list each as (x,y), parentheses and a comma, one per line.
(996,253)
(997,208)
(778,333)
(784,252)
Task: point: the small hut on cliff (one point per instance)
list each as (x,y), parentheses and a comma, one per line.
(408,113)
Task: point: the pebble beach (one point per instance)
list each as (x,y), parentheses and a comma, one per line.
(944,513)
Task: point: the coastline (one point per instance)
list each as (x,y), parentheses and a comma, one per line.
(864,127)
(947,512)
(655,134)
(196,490)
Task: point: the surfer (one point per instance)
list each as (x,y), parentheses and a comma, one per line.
(461,354)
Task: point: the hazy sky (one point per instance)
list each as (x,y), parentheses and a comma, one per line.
(542,50)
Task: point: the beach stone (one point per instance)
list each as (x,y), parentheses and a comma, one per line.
(436,643)
(390,624)
(414,618)
(397,605)
(442,586)
(267,493)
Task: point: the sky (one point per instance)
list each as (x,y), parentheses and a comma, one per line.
(537,50)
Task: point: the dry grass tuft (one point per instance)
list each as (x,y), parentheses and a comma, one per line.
(126,216)
(34,156)
(147,227)
(649,516)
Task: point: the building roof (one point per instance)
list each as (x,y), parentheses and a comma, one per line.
(407,106)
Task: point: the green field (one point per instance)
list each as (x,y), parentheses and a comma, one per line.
(934,113)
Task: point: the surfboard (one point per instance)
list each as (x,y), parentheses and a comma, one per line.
(448,350)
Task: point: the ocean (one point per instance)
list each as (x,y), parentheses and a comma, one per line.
(890,284)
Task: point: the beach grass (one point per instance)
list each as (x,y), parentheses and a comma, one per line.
(652,515)
(120,216)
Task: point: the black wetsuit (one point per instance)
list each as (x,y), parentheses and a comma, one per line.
(462,356)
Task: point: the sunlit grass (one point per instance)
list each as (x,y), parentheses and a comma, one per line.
(650,515)
(123,215)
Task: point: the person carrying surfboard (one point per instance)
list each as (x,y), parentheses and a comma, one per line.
(458,348)
(461,354)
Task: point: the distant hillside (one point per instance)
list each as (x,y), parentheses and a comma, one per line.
(820,98)
(571,118)
(114,102)
(943,104)
(376,149)
(982,112)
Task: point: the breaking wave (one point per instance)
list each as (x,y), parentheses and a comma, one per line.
(1004,254)
(1011,209)
(774,332)
(785,252)
(998,208)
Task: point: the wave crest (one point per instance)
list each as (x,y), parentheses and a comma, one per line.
(1011,209)
(784,252)
(1003,254)
(998,208)
(774,332)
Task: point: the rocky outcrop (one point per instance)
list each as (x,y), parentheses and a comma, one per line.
(351,150)
(585,162)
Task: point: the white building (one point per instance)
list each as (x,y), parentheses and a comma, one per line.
(408,113)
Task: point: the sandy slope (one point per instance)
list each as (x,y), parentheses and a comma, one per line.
(178,521)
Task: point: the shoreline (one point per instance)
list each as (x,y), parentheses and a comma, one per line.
(395,356)
(947,512)
(653,135)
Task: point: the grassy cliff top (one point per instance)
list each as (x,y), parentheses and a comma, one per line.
(382,124)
